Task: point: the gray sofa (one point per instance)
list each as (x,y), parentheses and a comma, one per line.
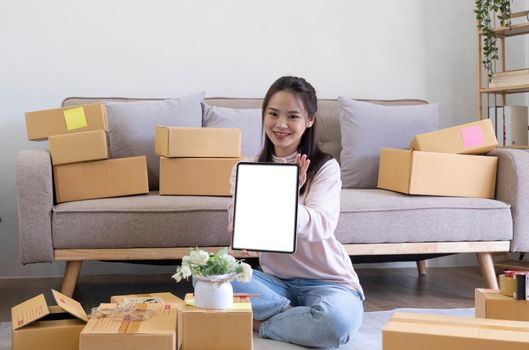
(372,222)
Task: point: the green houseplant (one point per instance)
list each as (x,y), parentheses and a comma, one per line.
(486,11)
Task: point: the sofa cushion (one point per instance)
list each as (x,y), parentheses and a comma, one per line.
(380,216)
(142,221)
(368,216)
(366,127)
(246,119)
(132,124)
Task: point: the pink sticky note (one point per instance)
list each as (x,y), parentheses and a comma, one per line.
(472,136)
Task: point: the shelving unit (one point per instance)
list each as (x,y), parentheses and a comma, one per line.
(485,91)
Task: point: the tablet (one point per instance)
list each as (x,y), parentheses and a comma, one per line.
(265,207)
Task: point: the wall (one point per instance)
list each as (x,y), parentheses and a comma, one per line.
(160,48)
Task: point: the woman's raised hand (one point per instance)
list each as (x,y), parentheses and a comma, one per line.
(303,163)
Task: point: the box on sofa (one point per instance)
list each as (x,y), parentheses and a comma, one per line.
(78,147)
(198,142)
(42,124)
(196,176)
(470,138)
(100,179)
(442,174)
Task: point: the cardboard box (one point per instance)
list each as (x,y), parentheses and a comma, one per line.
(229,329)
(491,304)
(196,176)
(438,332)
(507,285)
(100,179)
(42,124)
(442,174)
(471,138)
(198,142)
(39,327)
(156,331)
(78,147)
(151,298)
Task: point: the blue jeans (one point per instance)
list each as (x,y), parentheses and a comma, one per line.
(323,314)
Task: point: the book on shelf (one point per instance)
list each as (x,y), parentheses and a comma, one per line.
(510,78)
(510,124)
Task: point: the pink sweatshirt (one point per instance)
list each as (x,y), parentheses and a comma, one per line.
(318,254)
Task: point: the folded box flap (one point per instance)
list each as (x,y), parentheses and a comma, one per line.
(29,311)
(69,305)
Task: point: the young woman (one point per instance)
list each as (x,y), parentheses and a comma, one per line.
(312,297)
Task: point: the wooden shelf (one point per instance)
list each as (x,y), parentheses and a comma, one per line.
(506,89)
(516,29)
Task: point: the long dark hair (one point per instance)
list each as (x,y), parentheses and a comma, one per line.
(308,145)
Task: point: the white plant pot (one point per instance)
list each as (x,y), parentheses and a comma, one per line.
(212,294)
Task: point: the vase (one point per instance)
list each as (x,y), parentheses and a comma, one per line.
(213,292)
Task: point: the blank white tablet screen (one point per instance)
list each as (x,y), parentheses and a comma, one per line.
(266,203)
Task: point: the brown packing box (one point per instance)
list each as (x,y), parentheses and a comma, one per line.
(156,331)
(39,327)
(42,124)
(196,176)
(442,174)
(229,329)
(198,142)
(151,298)
(471,138)
(438,332)
(78,147)
(491,304)
(100,179)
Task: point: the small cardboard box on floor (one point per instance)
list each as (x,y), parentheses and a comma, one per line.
(39,327)
(229,329)
(438,332)
(196,176)
(491,304)
(78,147)
(471,138)
(442,174)
(155,329)
(197,142)
(42,124)
(100,179)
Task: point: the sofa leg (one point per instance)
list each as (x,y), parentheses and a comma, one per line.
(71,274)
(487,269)
(421,267)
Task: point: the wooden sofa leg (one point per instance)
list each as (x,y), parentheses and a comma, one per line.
(71,274)
(421,267)
(487,269)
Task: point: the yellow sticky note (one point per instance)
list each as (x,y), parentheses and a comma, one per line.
(75,118)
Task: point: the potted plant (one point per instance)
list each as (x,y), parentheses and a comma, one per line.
(212,275)
(485,11)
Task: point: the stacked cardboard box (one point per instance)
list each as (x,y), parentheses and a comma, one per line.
(78,145)
(197,328)
(197,161)
(444,163)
